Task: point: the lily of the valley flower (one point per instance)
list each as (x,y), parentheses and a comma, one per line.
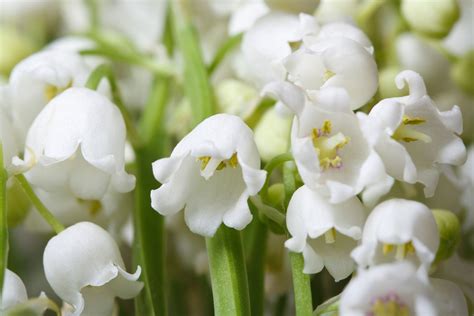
(211,173)
(398,229)
(84,267)
(76,145)
(38,79)
(109,212)
(328,144)
(14,291)
(388,289)
(413,137)
(325,233)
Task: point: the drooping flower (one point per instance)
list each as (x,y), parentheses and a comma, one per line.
(84,267)
(398,229)
(413,137)
(388,289)
(110,211)
(38,79)
(76,145)
(328,144)
(211,173)
(325,233)
(14,291)
(7,136)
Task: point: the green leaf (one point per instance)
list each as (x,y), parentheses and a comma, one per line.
(228,273)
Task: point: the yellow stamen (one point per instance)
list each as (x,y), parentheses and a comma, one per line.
(328,74)
(389,307)
(403,250)
(407,134)
(330,236)
(387,248)
(233,162)
(50,91)
(93,206)
(327,146)
(204,161)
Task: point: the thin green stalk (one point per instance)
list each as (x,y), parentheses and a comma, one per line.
(222,52)
(269,167)
(105,71)
(257,250)
(3,221)
(301,286)
(228,273)
(301,281)
(197,87)
(42,209)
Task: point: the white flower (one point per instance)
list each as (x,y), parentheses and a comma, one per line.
(14,291)
(84,267)
(398,229)
(38,79)
(211,173)
(109,212)
(388,289)
(7,137)
(413,137)
(467,197)
(449,298)
(77,145)
(325,233)
(335,62)
(328,144)
(461,38)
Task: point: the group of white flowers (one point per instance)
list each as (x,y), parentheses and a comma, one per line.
(69,140)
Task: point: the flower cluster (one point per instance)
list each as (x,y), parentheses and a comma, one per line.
(298,138)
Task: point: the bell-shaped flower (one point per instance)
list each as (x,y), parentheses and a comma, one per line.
(467,196)
(413,137)
(38,79)
(328,144)
(109,212)
(211,173)
(84,267)
(388,289)
(14,291)
(335,62)
(398,229)
(325,233)
(76,145)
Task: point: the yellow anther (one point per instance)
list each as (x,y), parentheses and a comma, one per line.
(50,91)
(204,161)
(328,74)
(412,120)
(389,307)
(93,206)
(330,236)
(403,250)
(327,126)
(233,161)
(387,248)
(327,146)
(407,134)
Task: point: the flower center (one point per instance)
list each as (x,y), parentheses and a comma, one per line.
(330,236)
(327,147)
(401,251)
(388,305)
(406,133)
(210,164)
(50,91)
(93,206)
(327,75)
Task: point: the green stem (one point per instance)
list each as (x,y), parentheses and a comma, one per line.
(42,209)
(301,281)
(197,87)
(269,167)
(3,221)
(228,273)
(256,265)
(269,211)
(301,286)
(105,71)
(222,52)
